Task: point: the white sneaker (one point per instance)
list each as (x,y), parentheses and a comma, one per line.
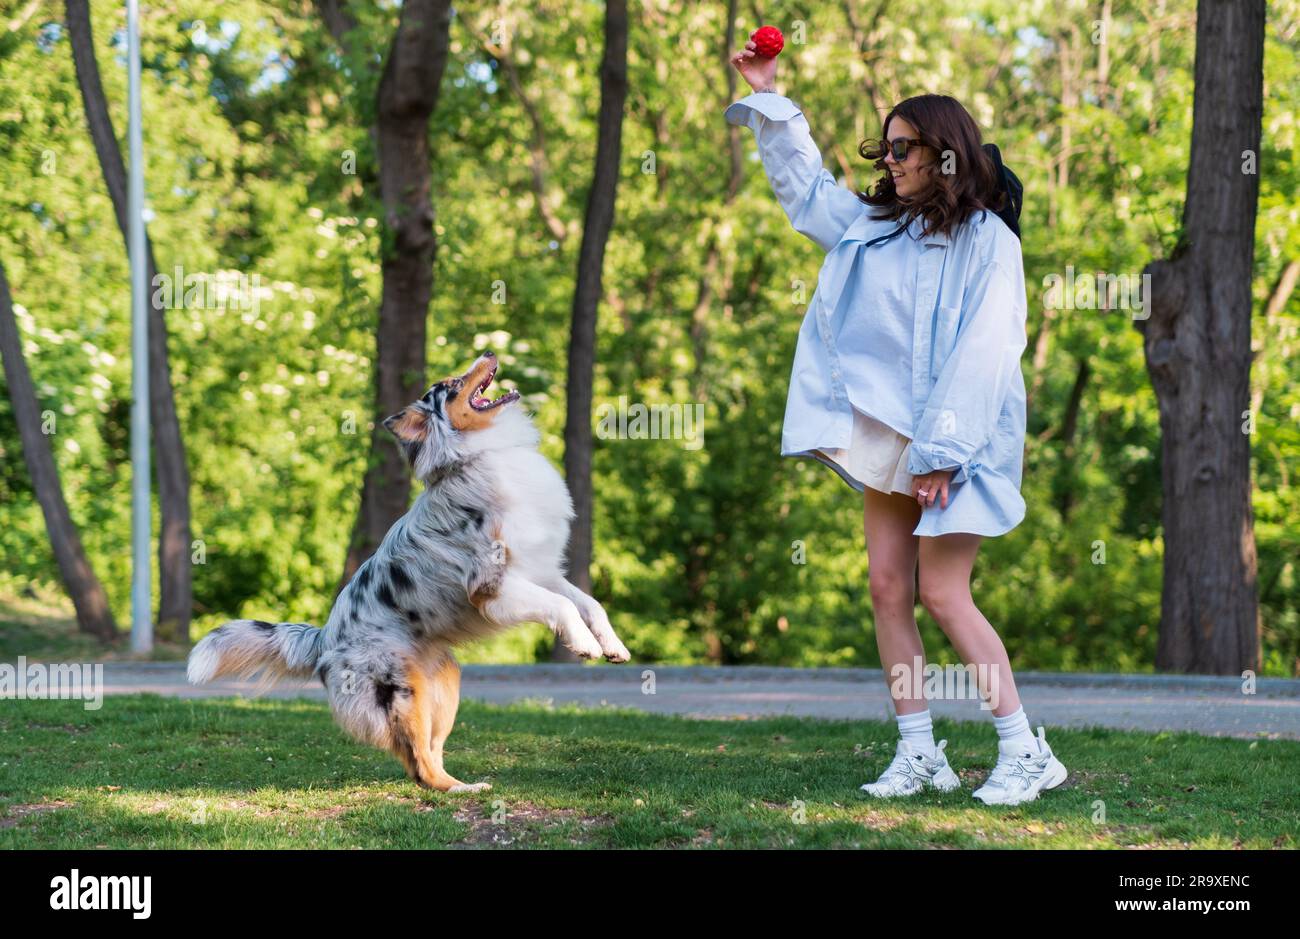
(1020,773)
(912,770)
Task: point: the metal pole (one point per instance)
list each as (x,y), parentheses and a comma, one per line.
(141,516)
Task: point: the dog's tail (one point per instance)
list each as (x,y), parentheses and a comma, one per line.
(245,647)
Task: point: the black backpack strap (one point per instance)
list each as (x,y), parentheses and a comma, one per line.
(1011,186)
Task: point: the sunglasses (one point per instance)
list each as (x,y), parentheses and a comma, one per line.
(900,147)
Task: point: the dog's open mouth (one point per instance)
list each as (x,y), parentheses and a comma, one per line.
(480,403)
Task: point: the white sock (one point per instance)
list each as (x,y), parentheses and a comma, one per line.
(1015,726)
(918,730)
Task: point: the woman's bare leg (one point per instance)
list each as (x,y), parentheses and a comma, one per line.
(888,520)
(946,563)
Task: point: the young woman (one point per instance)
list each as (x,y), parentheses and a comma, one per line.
(907,383)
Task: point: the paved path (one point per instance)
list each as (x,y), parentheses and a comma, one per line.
(1203,704)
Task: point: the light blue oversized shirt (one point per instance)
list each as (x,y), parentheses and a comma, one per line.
(878,329)
(962,389)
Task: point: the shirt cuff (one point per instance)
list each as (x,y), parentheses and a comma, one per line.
(770,105)
(924,459)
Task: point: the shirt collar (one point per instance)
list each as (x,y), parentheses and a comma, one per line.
(934,238)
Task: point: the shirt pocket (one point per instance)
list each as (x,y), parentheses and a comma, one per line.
(945,338)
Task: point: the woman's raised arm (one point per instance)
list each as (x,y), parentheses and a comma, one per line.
(817,205)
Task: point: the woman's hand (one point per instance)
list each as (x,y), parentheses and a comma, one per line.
(926,488)
(759,71)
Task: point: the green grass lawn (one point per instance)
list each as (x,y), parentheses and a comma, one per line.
(151,772)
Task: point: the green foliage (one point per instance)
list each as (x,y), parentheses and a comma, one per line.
(261,163)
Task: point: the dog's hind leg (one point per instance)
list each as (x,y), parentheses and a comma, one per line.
(422,723)
(444,688)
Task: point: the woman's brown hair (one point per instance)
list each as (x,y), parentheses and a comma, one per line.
(946,127)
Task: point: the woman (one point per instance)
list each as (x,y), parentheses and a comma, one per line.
(907,383)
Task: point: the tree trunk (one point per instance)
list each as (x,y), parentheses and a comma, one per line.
(709,270)
(1197,346)
(699,550)
(175,572)
(87,593)
(1069,424)
(505,54)
(407,96)
(587,292)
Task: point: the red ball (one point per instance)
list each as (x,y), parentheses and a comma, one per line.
(768,41)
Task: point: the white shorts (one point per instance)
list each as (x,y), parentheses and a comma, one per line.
(876,457)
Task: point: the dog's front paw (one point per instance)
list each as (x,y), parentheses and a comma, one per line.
(616,652)
(585,647)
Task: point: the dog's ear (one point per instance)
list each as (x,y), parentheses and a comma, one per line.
(409,425)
